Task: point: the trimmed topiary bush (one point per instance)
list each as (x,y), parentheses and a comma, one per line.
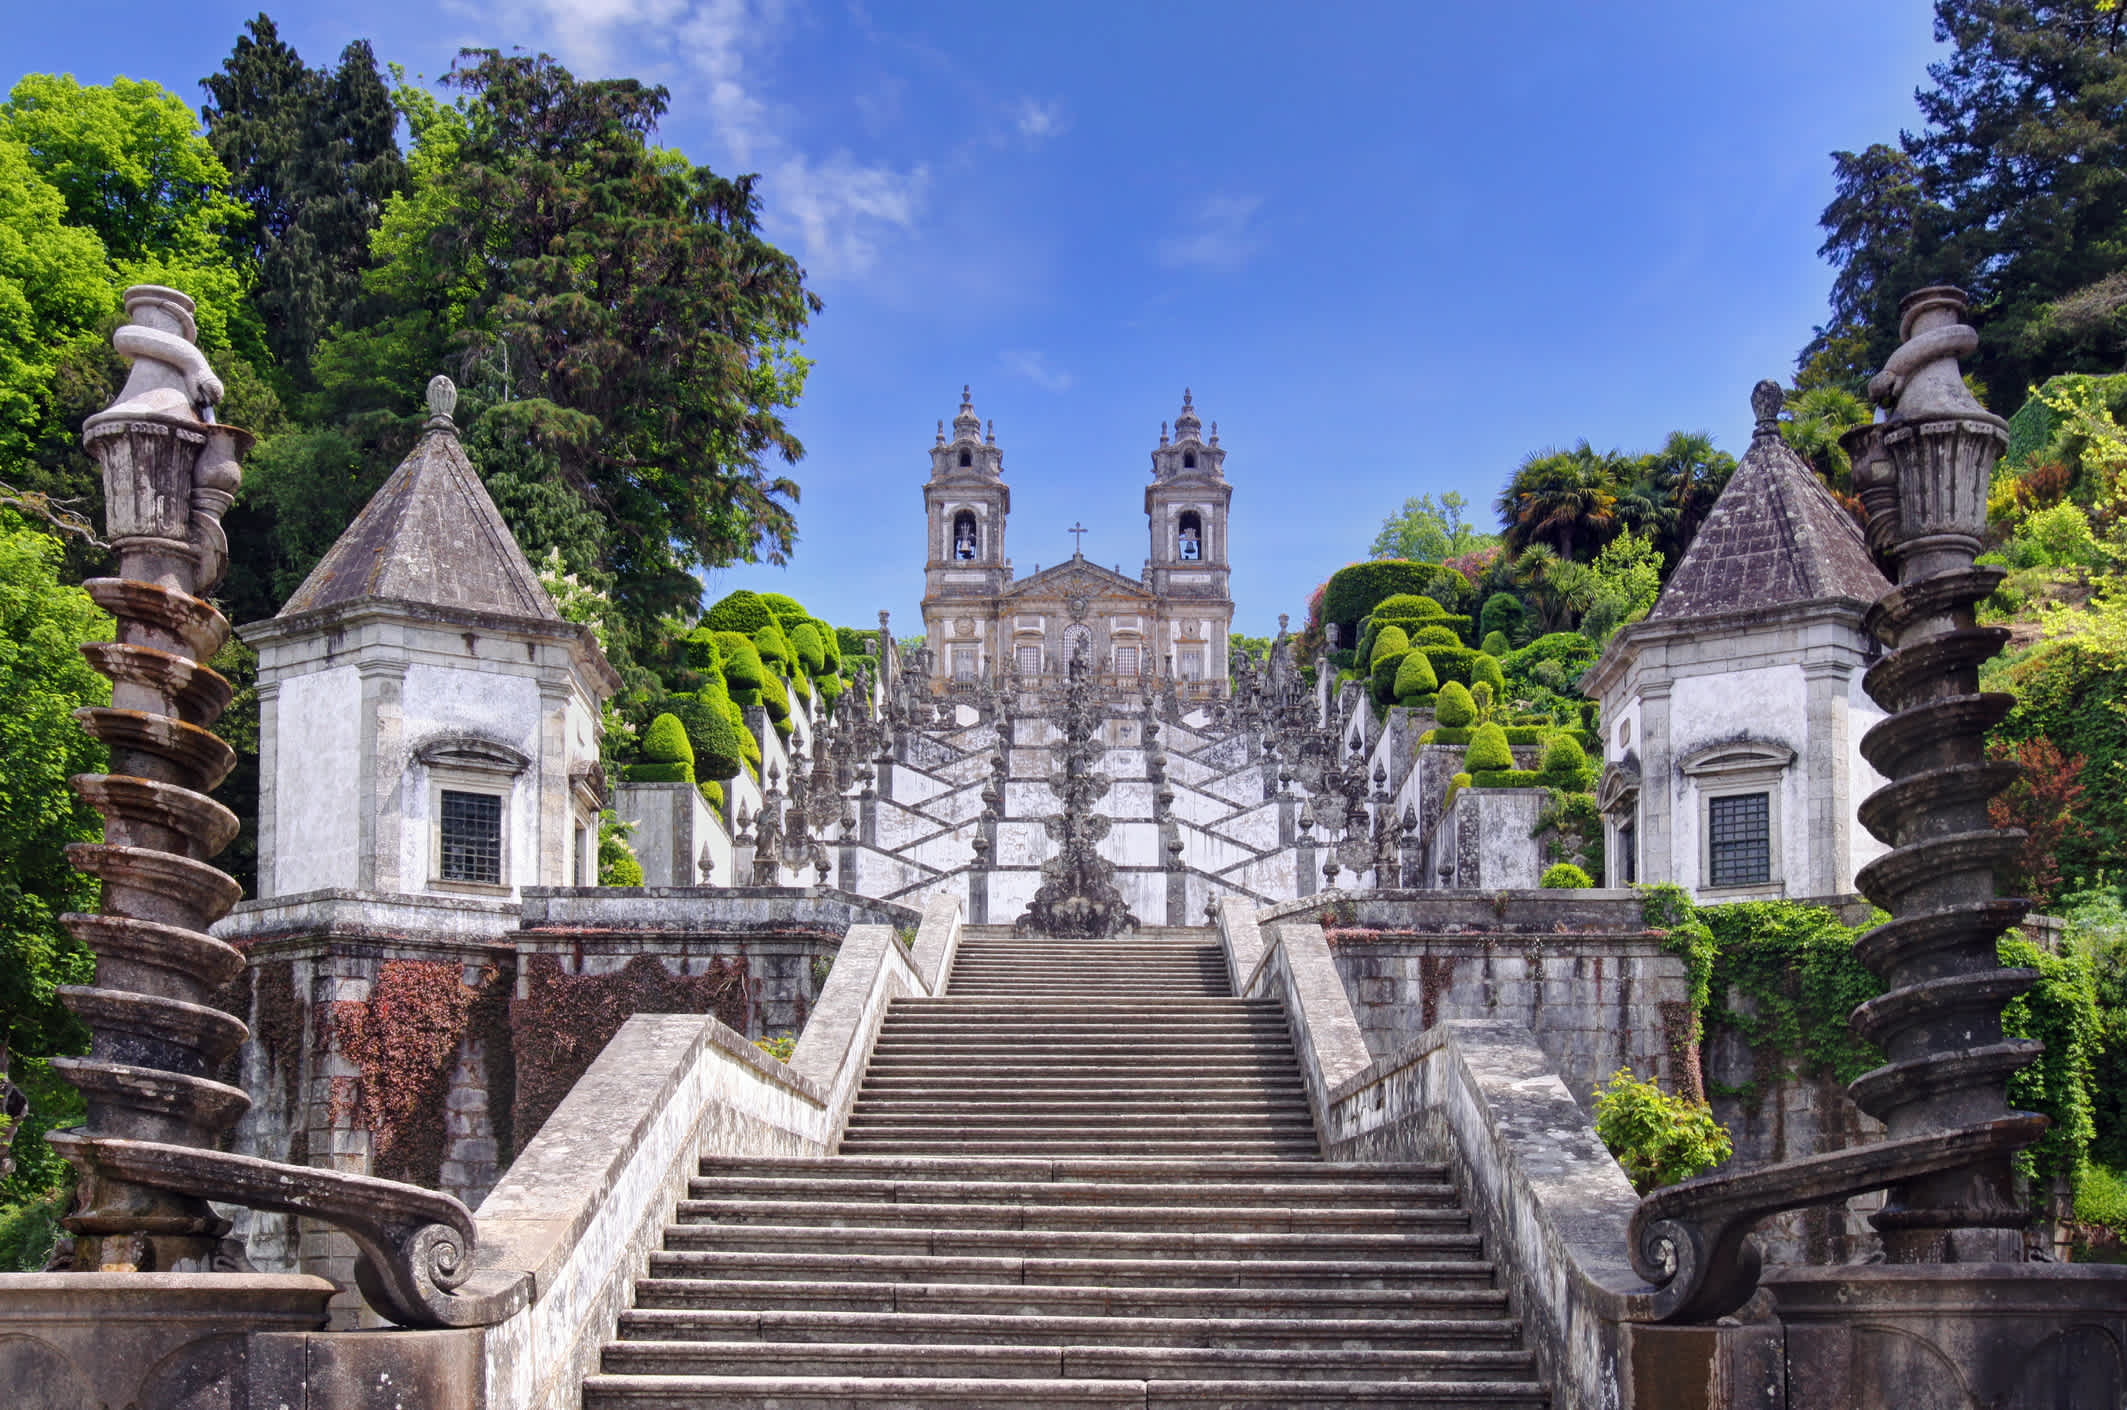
(1389,641)
(743,668)
(703,654)
(718,754)
(788,610)
(812,655)
(1452,663)
(1408,606)
(830,644)
(1414,677)
(1505,614)
(667,755)
(1565,763)
(712,794)
(776,700)
(1485,669)
(775,650)
(1564,876)
(1495,644)
(1488,751)
(742,612)
(1435,636)
(1383,679)
(1454,709)
(801,687)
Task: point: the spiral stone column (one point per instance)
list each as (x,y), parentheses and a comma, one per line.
(1940,1023)
(169,472)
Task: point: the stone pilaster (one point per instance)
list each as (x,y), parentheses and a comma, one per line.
(1829,810)
(381,824)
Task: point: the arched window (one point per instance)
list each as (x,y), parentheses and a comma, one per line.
(1190,539)
(967,458)
(965,542)
(1189,460)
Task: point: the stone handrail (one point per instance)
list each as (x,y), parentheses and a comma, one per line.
(577,1215)
(1553,1207)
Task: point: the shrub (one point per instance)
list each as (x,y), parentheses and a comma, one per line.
(1408,606)
(665,742)
(2100,1196)
(1351,593)
(1454,708)
(812,655)
(831,688)
(1565,763)
(801,686)
(1657,1138)
(1509,778)
(1452,663)
(1436,636)
(1495,644)
(1389,641)
(742,612)
(775,650)
(2062,537)
(830,644)
(29,1231)
(787,610)
(777,702)
(1414,677)
(718,754)
(855,642)
(713,794)
(703,653)
(1564,876)
(1503,615)
(779,1047)
(743,667)
(1488,751)
(617,865)
(1386,665)
(1484,668)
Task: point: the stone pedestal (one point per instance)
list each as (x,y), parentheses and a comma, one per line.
(174,1341)
(1972,1336)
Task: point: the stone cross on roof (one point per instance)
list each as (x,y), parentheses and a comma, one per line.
(1078,542)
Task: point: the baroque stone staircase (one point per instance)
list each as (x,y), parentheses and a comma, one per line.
(1086,1176)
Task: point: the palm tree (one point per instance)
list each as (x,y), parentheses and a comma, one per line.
(1568,498)
(1814,422)
(1687,474)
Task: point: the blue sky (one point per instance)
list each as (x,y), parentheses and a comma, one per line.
(1392,247)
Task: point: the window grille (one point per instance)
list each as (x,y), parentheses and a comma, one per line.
(1627,867)
(1192,665)
(471,835)
(1030,660)
(1739,830)
(1126,660)
(963,663)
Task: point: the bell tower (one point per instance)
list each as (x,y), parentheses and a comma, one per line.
(965,505)
(1188,570)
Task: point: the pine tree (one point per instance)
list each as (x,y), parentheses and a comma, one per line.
(315,154)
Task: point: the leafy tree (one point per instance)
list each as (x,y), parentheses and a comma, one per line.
(44,679)
(1813,422)
(1565,498)
(1626,578)
(610,303)
(2012,188)
(55,288)
(1684,478)
(314,155)
(1431,532)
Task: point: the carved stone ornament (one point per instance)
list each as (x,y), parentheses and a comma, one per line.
(147,1155)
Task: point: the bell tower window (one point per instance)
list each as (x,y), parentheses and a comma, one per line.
(966,542)
(1189,544)
(1189,460)
(967,459)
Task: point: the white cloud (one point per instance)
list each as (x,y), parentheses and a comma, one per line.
(1222,235)
(1035,368)
(1039,120)
(841,208)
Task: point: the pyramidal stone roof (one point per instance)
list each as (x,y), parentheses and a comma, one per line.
(430,536)
(1775,537)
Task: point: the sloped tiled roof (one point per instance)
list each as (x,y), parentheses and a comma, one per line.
(430,536)
(1775,537)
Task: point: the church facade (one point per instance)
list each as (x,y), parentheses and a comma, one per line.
(982,623)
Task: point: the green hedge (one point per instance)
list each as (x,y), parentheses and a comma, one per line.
(713,794)
(1414,677)
(1564,876)
(1503,614)
(1386,665)
(787,609)
(1435,636)
(665,742)
(1389,641)
(1485,667)
(1516,734)
(742,612)
(703,653)
(776,650)
(680,771)
(1495,644)
(718,752)
(1351,593)
(1452,663)
(1507,778)
(777,701)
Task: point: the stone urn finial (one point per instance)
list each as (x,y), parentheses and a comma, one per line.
(442,403)
(1766,399)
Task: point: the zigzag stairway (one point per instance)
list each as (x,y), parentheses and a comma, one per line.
(1087,1176)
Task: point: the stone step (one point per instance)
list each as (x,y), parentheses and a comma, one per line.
(1261,1148)
(1154,1089)
(1034,1043)
(1445,1300)
(794,1192)
(1115,1068)
(950,1002)
(1333,1333)
(1094,1362)
(1292,1106)
(1017,1120)
(787,1264)
(1214,1170)
(1224,1242)
(607,1392)
(1016,1025)
(1254,1219)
